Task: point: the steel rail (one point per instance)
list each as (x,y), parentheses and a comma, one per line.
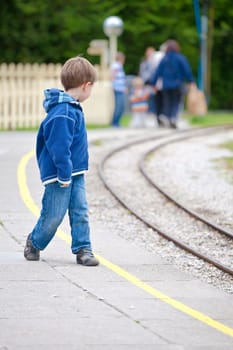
(191,212)
(116,195)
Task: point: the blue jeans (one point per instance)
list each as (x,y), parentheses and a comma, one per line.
(119,107)
(55,203)
(171,103)
(151,104)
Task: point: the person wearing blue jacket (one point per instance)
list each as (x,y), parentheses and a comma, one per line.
(169,77)
(62,156)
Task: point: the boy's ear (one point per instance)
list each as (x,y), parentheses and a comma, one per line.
(89,83)
(85,85)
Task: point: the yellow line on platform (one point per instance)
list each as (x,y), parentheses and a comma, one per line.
(27,199)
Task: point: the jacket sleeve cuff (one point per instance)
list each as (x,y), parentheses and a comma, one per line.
(64,182)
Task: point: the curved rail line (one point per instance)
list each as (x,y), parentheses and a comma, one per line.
(191,212)
(174,136)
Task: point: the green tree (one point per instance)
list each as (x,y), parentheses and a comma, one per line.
(222,55)
(52,31)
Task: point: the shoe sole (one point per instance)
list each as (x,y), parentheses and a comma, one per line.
(31,258)
(90,263)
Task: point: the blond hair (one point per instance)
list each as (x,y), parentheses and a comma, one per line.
(137,82)
(77,71)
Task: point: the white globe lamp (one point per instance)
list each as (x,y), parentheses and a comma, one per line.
(113,27)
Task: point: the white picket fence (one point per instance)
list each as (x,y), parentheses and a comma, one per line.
(21,95)
(21,87)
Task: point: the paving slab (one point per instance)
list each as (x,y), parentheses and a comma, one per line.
(56,304)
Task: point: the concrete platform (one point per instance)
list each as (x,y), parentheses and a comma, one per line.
(133,300)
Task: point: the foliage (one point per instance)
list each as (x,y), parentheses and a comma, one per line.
(222,55)
(52,31)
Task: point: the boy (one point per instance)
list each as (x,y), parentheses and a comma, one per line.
(62,156)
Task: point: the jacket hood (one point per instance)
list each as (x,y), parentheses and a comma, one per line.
(55,96)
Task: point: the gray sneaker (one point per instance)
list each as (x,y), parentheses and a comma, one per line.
(86,257)
(31,253)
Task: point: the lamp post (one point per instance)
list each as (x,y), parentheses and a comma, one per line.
(113,27)
(205,41)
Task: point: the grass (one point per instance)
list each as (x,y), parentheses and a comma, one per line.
(228,161)
(225,163)
(95,126)
(228,145)
(212,118)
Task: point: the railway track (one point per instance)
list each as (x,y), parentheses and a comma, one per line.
(137,151)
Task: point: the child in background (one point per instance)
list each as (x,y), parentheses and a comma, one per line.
(139,103)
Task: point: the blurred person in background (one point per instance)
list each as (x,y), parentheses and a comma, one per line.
(119,88)
(139,103)
(146,70)
(172,73)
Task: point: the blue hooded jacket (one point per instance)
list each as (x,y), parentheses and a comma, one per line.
(174,70)
(61,147)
